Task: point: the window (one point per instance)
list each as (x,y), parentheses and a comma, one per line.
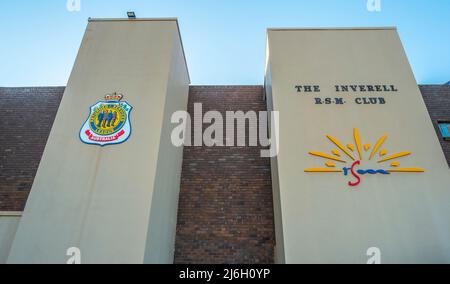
(444,127)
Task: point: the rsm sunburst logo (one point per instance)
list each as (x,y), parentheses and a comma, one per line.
(360,159)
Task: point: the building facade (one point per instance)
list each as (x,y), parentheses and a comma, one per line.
(146,201)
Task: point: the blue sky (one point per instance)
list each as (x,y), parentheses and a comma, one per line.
(224,40)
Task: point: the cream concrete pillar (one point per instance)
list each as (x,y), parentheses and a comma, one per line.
(349,95)
(9,221)
(117,203)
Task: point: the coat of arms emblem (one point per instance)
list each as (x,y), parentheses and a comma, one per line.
(108,122)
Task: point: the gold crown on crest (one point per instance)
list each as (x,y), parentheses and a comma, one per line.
(114,97)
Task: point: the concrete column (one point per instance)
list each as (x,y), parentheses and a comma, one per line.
(116,203)
(348,97)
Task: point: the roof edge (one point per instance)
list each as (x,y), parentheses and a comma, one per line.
(333,29)
(132,20)
(225,86)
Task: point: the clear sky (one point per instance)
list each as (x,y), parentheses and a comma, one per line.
(224,40)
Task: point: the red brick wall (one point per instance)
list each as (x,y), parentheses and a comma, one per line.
(26,117)
(437,99)
(225,210)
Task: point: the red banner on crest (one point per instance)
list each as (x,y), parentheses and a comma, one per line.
(94,138)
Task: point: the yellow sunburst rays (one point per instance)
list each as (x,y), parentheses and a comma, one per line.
(357,142)
(394,164)
(331,167)
(377,146)
(359,147)
(395,156)
(340,146)
(329,164)
(397,164)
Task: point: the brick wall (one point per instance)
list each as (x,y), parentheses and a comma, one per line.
(437,99)
(26,118)
(225,210)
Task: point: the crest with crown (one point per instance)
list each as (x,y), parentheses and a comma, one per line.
(114,97)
